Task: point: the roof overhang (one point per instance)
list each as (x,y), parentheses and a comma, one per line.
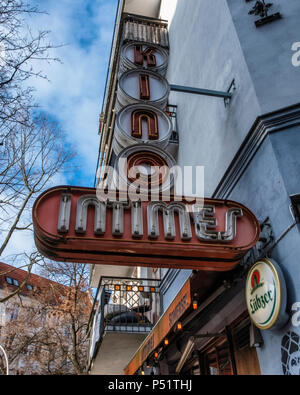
(149,8)
(115,350)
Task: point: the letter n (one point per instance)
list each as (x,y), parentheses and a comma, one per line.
(137,118)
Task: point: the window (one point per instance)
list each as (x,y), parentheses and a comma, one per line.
(15,282)
(9,280)
(14,313)
(12,281)
(214,360)
(218,360)
(296,206)
(29,287)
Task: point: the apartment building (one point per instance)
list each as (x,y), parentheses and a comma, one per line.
(209,287)
(35,326)
(223,78)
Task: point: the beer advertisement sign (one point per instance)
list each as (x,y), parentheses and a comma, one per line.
(266,294)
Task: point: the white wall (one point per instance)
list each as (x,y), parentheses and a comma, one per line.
(148,8)
(205,53)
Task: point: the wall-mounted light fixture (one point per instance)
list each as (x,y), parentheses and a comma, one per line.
(261,8)
(256,339)
(195,304)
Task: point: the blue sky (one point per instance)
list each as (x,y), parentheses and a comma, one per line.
(73,97)
(74,93)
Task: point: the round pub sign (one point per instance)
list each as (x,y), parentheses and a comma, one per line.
(266,295)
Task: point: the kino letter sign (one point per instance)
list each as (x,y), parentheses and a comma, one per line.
(71,224)
(266,295)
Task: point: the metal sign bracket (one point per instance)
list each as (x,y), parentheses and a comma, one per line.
(207,92)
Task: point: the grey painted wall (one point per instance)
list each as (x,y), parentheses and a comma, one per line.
(211,43)
(286,145)
(263,188)
(205,53)
(268,53)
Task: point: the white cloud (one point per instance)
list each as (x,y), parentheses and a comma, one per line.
(75,91)
(74,94)
(22,240)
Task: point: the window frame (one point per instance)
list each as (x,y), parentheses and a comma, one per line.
(15,282)
(12,281)
(295,205)
(9,280)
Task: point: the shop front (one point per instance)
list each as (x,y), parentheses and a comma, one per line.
(205,331)
(215,324)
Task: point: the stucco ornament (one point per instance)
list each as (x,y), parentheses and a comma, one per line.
(290,354)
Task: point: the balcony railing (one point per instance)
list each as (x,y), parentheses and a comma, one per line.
(143,29)
(123,305)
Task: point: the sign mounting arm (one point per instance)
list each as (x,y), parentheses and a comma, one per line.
(227,96)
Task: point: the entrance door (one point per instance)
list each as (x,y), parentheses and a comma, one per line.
(245,356)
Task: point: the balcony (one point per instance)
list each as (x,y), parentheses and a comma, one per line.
(98,271)
(124,312)
(143,28)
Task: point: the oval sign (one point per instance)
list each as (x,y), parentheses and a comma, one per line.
(139,55)
(71,224)
(266,295)
(142,86)
(138,123)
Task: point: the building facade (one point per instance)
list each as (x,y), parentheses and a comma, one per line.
(186,57)
(36,328)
